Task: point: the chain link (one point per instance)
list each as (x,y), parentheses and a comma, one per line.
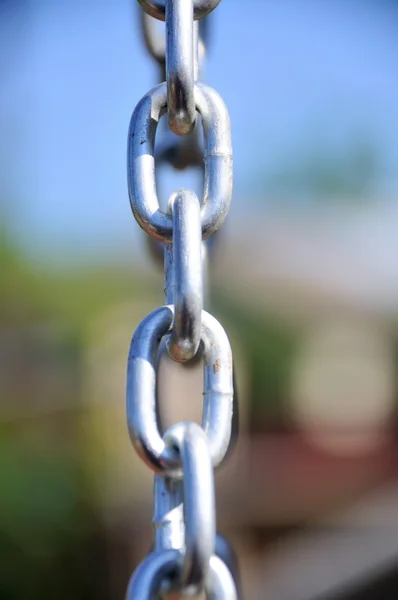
(188,556)
(141,162)
(141,389)
(186,276)
(180,66)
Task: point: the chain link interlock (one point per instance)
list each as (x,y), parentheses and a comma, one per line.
(188,556)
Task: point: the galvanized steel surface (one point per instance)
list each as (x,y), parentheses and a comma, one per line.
(141,162)
(180,66)
(141,389)
(163,566)
(188,276)
(188,556)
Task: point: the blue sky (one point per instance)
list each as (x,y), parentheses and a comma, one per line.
(291,73)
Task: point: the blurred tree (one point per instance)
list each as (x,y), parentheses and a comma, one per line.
(319,171)
(268,346)
(51,541)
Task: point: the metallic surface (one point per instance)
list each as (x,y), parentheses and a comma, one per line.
(168,522)
(155,41)
(149,575)
(185,151)
(185,560)
(187,280)
(168,513)
(158,566)
(199,509)
(181,110)
(141,163)
(227,554)
(141,389)
(157,8)
(220,583)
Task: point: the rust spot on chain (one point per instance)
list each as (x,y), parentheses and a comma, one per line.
(217,365)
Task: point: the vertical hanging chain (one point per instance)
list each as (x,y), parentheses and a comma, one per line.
(188,557)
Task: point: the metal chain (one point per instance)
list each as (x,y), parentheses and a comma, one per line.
(183,151)
(188,557)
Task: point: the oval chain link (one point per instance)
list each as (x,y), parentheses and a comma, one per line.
(198,501)
(187,280)
(141,162)
(180,70)
(141,389)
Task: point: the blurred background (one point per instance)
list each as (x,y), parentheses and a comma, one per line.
(304,278)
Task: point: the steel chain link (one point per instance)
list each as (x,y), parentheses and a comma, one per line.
(188,557)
